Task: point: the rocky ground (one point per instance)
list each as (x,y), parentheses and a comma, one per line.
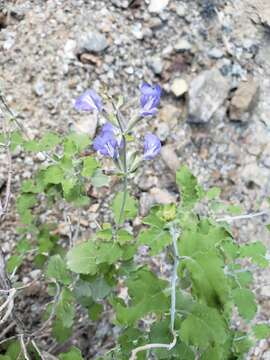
(212,59)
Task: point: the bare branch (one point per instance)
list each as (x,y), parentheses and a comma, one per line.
(23,347)
(243,217)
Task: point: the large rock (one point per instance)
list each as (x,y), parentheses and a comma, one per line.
(93,42)
(207,93)
(157,6)
(244,101)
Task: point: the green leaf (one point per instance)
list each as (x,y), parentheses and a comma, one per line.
(261,331)
(32,145)
(98,179)
(16,140)
(72,354)
(155,238)
(189,188)
(213,193)
(124,237)
(160,333)
(90,164)
(256,251)
(95,311)
(28,186)
(203,327)
(68,184)
(131,207)
(14,262)
(65,310)
(81,259)
(108,253)
(60,332)
(244,299)
(242,343)
(99,288)
(146,292)
(57,270)
(53,175)
(234,209)
(204,262)
(25,201)
(49,141)
(81,141)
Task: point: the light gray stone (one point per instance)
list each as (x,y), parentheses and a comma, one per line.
(207,94)
(157,6)
(92,41)
(179,87)
(244,101)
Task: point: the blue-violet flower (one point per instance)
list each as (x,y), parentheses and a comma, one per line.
(150,98)
(106,144)
(152,146)
(88,101)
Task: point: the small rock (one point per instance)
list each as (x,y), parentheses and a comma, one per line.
(122,4)
(157,6)
(162,196)
(163,131)
(207,93)
(181,10)
(155,64)
(39,88)
(215,53)
(147,182)
(244,101)
(183,45)
(170,158)
(137,31)
(94,42)
(179,87)
(69,49)
(146,202)
(86,124)
(169,113)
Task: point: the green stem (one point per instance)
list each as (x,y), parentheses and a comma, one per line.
(124,199)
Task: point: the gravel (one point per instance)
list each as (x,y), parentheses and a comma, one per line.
(51,51)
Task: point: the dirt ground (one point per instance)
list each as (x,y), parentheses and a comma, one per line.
(212,59)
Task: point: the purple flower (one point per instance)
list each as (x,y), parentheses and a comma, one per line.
(108,127)
(152,146)
(150,98)
(88,101)
(106,144)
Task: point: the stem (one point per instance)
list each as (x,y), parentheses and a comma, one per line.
(243,217)
(171,345)
(123,133)
(174,235)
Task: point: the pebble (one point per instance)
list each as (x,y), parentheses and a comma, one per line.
(170,158)
(122,4)
(170,114)
(157,6)
(155,64)
(92,41)
(181,10)
(179,87)
(183,45)
(244,101)
(163,131)
(87,124)
(207,93)
(39,88)
(215,53)
(162,196)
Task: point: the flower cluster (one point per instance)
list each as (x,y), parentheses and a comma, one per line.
(109,142)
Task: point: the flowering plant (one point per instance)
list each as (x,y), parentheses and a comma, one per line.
(185,312)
